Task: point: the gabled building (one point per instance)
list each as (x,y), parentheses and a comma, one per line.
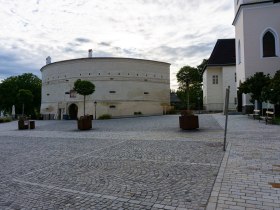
(257,32)
(218,74)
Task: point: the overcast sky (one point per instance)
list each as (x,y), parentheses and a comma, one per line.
(181,32)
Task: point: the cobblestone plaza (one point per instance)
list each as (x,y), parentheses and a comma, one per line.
(140,163)
(133,163)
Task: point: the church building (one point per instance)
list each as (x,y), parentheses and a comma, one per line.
(257,49)
(257,31)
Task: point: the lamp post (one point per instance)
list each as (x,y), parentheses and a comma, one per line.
(95,110)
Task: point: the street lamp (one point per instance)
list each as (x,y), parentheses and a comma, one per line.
(95,110)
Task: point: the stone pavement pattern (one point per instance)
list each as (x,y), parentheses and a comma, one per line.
(250,166)
(136,163)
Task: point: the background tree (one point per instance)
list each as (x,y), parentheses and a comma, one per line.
(188,77)
(84,87)
(201,67)
(254,85)
(9,88)
(25,97)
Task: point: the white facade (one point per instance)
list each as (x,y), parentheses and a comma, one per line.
(215,81)
(123,87)
(253,19)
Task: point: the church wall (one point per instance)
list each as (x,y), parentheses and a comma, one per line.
(250,25)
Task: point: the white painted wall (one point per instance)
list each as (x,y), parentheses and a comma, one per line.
(214,94)
(229,80)
(250,25)
(129,78)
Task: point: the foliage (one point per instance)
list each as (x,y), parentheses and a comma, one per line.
(25,97)
(5,119)
(105,117)
(9,89)
(190,91)
(186,113)
(254,85)
(84,87)
(274,97)
(201,67)
(188,75)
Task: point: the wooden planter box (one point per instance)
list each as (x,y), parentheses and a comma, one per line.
(188,122)
(23,124)
(84,124)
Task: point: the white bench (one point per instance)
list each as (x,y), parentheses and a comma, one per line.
(269,117)
(256,114)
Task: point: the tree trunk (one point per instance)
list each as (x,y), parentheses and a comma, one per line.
(188,98)
(22,109)
(84,105)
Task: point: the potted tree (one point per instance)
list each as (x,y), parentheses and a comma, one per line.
(24,97)
(84,87)
(187,77)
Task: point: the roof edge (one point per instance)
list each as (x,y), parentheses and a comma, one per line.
(101,58)
(246,4)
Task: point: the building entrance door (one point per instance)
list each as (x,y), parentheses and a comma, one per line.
(73,111)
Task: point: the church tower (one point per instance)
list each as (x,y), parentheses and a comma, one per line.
(257,33)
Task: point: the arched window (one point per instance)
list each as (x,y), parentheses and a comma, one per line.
(268,42)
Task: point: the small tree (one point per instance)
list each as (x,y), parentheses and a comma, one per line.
(84,87)
(186,77)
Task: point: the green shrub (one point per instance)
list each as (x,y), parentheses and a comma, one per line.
(5,119)
(137,113)
(276,121)
(105,117)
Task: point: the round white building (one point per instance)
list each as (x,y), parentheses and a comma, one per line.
(123,87)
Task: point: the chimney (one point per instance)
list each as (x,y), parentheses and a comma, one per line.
(48,60)
(90,53)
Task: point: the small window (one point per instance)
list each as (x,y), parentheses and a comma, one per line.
(80,74)
(112,91)
(98,73)
(146,93)
(109,73)
(48,94)
(235,101)
(112,106)
(127,73)
(215,79)
(145,80)
(88,73)
(119,73)
(137,75)
(111,78)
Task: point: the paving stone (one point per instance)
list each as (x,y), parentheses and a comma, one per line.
(133,163)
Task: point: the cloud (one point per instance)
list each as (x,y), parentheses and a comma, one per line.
(176,31)
(82,40)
